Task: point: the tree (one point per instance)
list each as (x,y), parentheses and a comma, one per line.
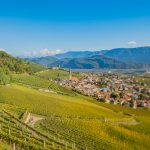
(142,96)
(121,94)
(4,77)
(132,101)
(114,95)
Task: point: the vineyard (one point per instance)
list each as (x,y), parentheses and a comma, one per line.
(19,135)
(40,83)
(54,74)
(79,121)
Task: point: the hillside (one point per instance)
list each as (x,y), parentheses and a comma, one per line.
(56,73)
(77,121)
(12,64)
(41,82)
(68,120)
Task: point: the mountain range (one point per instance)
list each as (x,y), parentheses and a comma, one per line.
(45,61)
(79,54)
(119,58)
(136,55)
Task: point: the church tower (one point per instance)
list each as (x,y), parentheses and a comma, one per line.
(70,74)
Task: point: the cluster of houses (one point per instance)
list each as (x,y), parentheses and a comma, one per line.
(110,88)
(124,90)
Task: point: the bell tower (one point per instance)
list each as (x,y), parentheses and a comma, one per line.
(70,74)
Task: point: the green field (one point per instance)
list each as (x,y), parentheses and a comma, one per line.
(71,120)
(15,133)
(54,74)
(79,121)
(39,83)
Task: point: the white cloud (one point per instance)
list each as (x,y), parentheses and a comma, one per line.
(132,43)
(147,45)
(2,49)
(43,52)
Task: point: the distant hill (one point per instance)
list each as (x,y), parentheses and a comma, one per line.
(97,61)
(115,58)
(132,55)
(79,54)
(17,65)
(46,61)
(136,55)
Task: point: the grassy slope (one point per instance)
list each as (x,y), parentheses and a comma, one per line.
(87,123)
(40,83)
(18,65)
(53,74)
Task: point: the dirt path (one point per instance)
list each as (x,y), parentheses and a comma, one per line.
(36,133)
(31,119)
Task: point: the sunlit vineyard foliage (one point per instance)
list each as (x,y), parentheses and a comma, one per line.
(81,121)
(69,120)
(56,73)
(19,135)
(40,83)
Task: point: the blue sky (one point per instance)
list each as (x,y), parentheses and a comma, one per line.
(45,27)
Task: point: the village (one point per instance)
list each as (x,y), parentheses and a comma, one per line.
(110,88)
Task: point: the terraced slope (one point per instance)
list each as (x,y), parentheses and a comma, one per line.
(21,135)
(54,74)
(80,121)
(39,83)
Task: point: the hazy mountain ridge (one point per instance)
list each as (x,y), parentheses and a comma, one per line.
(79,54)
(46,61)
(138,55)
(97,61)
(116,58)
